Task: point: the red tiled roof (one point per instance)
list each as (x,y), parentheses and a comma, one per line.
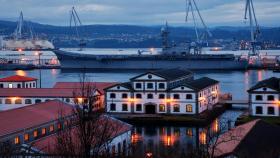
(99,85)
(17,78)
(48,144)
(38,92)
(32,115)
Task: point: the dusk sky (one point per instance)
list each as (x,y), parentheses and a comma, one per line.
(139,12)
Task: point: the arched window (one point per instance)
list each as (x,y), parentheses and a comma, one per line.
(161,96)
(176,108)
(161,108)
(112,95)
(28,101)
(38,101)
(18,101)
(138,107)
(8,101)
(270,97)
(176,96)
(138,96)
(161,86)
(150,85)
(259,97)
(112,107)
(259,110)
(270,111)
(188,96)
(124,95)
(189,108)
(150,96)
(124,107)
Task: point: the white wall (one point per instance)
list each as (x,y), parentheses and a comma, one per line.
(265,109)
(22,84)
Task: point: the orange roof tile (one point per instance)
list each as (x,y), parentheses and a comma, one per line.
(17,78)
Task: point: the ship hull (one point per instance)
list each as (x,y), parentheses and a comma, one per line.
(70,60)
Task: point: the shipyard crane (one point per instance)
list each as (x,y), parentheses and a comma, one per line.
(18,31)
(254,27)
(76,23)
(191,8)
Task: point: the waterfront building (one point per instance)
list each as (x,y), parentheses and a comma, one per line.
(17,81)
(171,91)
(264,98)
(256,139)
(37,126)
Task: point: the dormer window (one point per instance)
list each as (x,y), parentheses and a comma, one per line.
(161,86)
(138,85)
(264,89)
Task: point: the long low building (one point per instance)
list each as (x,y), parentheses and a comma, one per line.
(264,98)
(172,91)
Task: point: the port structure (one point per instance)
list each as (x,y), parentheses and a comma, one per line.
(254,27)
(19,31)
(191,8)
(76,24)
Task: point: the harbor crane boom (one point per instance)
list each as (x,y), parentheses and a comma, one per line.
(74,18)
(254,26)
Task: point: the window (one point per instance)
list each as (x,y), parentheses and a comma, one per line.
(38,101)
(124,107)
(18,85)
(138,85)
(0,101)
(150,96)
(26,137)
(150,76)
(270,111)
(30,85)
(182,88)
(161,96)
(270,98)
(59,126)
(43,131)
(188,96)
(189,132)
(138,107)
(18,101)
(161,86)
(10,85)
(1,85)
(67,100)
(51,128)
(35,134)
(138,96)
(113,150)
(26,85)
(176,96)
(189,108)
(113,107)
(17,140)
(161,108)
(259,110)
(124,95)
(112,95)
(8,101)
(34,84)
(150,85)
(259,97)
(176,108)
(28,101)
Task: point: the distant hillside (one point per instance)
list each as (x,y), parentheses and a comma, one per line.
(132,36)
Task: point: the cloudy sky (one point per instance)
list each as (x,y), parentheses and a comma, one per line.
(139,12)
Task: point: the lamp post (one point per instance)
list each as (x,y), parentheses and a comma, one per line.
(39,66)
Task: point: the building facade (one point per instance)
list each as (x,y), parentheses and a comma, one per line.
(264,98)
(17,81)
(172,91)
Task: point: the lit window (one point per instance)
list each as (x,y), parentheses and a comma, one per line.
(8,101)
(259,110)
(189,132)
(150,85)
(176,96)
(43,131)
(28,101)
(161,108)
(10,85)
(188,96)
(150,96)
(124,95)
(138,96)
(259,97)
(18,101)
(189,108)
(17,140)
(124,107)
(112,95)
(35,134)
(138,107)
(161,86)
(176,108)
(270,111)
(112,107)
(161,96)
(138,85)
(270,98)
(51,128)
(26,137)
(59,126)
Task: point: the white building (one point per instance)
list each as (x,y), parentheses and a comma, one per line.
(17,81)
(264,98)
(171,91)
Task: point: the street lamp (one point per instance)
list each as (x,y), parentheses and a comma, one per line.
(39,66)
